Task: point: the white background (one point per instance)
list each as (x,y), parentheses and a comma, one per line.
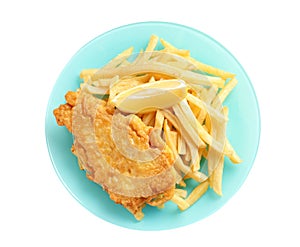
(38,39)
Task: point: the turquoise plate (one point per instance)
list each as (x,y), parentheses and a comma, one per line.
(243,129)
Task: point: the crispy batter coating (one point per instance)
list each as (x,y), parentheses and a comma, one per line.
(125,149)
(63,113)
(136,204)
(140,136)
(71,97)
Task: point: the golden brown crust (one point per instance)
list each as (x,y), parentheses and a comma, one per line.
(71,98)
(63,115)
(139,133)
(136,204)
(98,138)
(133,135)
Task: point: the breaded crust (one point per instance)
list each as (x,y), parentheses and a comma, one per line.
(139,134)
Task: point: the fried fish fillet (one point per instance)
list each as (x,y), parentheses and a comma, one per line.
(151,176)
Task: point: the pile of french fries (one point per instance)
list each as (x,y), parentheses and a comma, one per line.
(192,124)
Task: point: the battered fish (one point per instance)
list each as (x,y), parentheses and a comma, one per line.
(116,152)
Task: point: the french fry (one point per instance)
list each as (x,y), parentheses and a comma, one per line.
(195,109)
(120,58)
(140,78)
(181,203)
(152,122)
(208,123)
(144,56)
(87,72)
(225,111)
(172,118)
(187,157)
(182,183)
(222,95)
(231,153)
(195,158)
(229,150)
(152,43)
(210,69)
(107,82)
(86,78)
(189,128)
(206,108)
(173,60)
(172,49)
(216,160)
(169,138)
(204,153)
(204,127)
(180,192)
(217,176)
(196,164)
(159,120)
(197,193)
(201,116)
(144,78)
(197,176)
(209,94)
(181,148)
(173,138)
(147,117)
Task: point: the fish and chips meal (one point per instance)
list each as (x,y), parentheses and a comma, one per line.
(146,123)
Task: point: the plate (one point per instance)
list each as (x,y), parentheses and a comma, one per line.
(243,129)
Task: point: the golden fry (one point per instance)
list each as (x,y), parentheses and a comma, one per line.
(225,91)
(182,183)
(229,150)
(181,203)
(181,148)
(87,72)
(197,176)
(159,120)
(173,138)
(120,58)
(181,192)
(152,43)
(231,153)
(172,49)
(197,192)
(196,165)
(210,69)
(217,177)
(147,117)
